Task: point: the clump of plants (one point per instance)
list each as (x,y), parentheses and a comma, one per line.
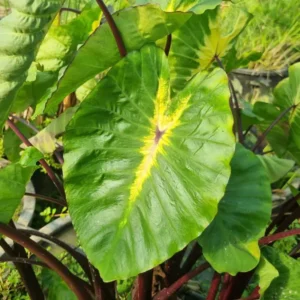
(169,182)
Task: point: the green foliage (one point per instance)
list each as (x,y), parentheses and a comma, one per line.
(20,37)
(101,52)
(244,210)
(11,287)
(134,150)
(286,285)
(151,160)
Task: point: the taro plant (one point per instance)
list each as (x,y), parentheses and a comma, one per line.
(168,180)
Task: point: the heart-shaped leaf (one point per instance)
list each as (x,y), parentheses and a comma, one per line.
(144,173)
(230,243)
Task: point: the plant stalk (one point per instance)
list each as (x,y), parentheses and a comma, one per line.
(115,31)
(48,169)
(235,110)
(49,199)
(168,292)
(214,287)
(18,257)
(168,44)
(70,279)
(143,289)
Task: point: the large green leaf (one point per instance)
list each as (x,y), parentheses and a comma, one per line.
(276,167)
(198,41)
(264,275)
(100,51)
(144,173)
(287,284)
(287,93)
(230,243)
(20,34)
(13,181)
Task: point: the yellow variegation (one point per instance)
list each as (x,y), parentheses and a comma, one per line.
(144,172)
(196,44)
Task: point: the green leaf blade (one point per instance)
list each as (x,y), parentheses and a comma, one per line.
(145,152)
(230,243)
(100,50)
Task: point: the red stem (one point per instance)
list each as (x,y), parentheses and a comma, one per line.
(114,28)
(278,236)
(194,255)
(143,289)
(287,207)
(46,198)
(214,287)
(49,171)
(167,292)
(71,280)
(81,259)
(18,256)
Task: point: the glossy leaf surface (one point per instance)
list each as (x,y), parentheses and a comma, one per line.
(145,174)
(230,243)
(21,33)
(286,285)
(100,51)
(198,41)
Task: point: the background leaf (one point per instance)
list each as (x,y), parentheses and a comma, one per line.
(276,167)
(286,285)
(100,50)
(20,37)
(152,192)
(198,41)
(230,243)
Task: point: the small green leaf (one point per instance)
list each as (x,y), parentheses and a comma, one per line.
(21,33)
(45,141)
(230,243)
(13,181)
(276,167)
(264,275)
(287,284)
(138,186)
(30,156)
(101,52)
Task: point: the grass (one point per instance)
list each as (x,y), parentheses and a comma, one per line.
(274,31)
